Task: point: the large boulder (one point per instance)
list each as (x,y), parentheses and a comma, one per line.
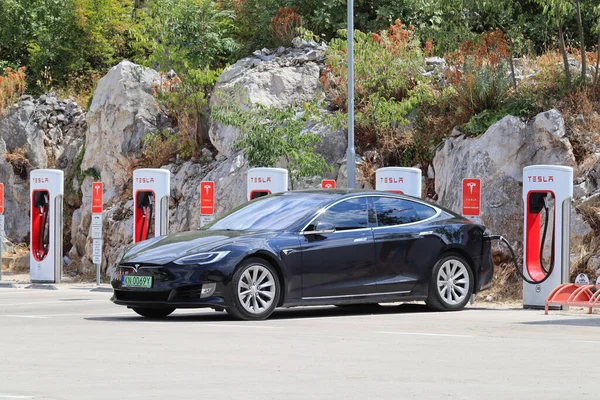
(498,158)
(46,132)
(122,112)
(278,78)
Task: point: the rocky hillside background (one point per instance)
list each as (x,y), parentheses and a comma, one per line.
(129,125)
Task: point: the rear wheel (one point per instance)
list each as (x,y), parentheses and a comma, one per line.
(256,290)
(153,312)
(451,283)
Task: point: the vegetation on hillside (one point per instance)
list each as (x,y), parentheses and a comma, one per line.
(401,113)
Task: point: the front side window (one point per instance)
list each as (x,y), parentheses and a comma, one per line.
(391,211)
(346,215)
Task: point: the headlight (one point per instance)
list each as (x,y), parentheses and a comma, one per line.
(201,258)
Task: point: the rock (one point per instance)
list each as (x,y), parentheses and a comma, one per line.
(498,158)
(361,181)
(268,84)
(122,112)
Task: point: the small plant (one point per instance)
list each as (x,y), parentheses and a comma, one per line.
(478,73)
(12,86)
(285,24)
(159,148)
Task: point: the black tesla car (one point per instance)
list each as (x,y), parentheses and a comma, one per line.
(336,247)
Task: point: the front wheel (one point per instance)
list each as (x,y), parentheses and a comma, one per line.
(153,312)
(451,284)
(256,290)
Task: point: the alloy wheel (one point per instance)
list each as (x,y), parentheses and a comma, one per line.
(453,282)
(256,289)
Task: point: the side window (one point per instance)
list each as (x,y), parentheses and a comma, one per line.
(392,211)
(349,214)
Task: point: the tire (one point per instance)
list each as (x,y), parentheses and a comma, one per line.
(255,290)
(450,294)
(153,312)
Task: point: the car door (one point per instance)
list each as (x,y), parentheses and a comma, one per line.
(340,263)
(403,250)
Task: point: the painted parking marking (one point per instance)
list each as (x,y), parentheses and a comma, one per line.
(428,334)
(200,323)
(14,396)
(70,303)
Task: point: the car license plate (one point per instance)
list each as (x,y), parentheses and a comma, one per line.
(136,281)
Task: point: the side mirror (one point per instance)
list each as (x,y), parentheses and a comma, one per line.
(322,228)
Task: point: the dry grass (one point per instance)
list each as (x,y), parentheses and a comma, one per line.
(506,284)
(19,162)
(9,258)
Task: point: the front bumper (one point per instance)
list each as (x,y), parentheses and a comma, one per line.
(177,287)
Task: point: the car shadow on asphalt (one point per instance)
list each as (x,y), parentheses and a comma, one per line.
(281,314)
(592,321)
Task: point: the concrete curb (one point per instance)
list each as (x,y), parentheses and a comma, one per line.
(41,286)
(8,285)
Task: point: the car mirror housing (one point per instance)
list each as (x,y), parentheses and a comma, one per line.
(322,228)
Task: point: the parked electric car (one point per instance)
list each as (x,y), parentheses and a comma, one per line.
(326,247)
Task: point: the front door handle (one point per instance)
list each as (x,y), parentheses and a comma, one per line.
(360,240)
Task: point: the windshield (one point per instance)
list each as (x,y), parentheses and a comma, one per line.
(270,213)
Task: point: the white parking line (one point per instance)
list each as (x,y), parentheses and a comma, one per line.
(428,334)
(54,302)
(12,396)
(202,324)
(24,316)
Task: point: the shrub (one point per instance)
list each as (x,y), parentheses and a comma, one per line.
(285,24)
(477,71)
(12,86)
(270,135)
(389,88)
(185,101)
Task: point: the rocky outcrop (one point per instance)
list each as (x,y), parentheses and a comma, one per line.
(498,158)
(270,78)
(46,132)
(122,112)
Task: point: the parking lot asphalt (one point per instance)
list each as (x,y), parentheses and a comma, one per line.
(72,343)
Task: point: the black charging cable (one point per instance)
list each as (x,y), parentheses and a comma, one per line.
(514,259)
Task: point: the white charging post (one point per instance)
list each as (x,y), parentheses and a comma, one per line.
(546,187)
(266,181)
(151,191)
(402,180)
(46,235)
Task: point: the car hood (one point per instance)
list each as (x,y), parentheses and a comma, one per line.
(164,249)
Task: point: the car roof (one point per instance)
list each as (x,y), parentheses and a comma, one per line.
(339,193)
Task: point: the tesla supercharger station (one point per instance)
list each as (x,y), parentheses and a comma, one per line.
(46,187)
(547,196)
(265,181)
(401,180)
(151,191)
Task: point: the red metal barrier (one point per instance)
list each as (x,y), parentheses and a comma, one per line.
(570,294)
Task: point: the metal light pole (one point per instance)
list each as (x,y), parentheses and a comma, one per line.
(350,152)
